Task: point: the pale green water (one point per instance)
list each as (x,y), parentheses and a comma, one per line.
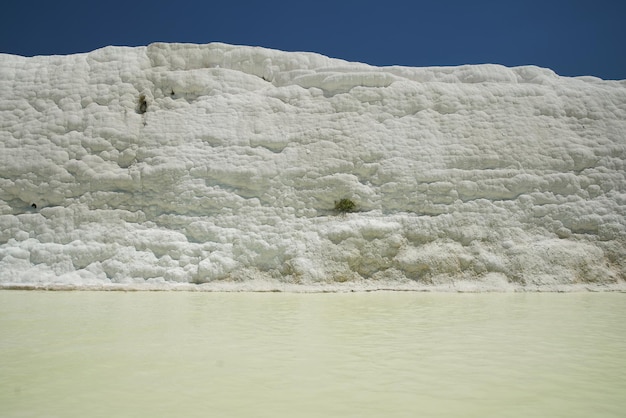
(91,354)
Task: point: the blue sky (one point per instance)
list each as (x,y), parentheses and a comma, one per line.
(571,37)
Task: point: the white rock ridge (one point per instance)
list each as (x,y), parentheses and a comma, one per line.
(209,166)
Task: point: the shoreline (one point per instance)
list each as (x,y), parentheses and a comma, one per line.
(277,287)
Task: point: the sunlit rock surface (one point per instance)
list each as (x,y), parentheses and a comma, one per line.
(217,167)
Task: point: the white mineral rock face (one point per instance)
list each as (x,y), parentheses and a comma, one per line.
(220,165)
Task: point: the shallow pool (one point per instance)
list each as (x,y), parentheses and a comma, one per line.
(77,354)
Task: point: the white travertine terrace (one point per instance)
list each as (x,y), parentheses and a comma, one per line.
(218,166)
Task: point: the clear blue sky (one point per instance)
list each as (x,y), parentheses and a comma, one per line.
(571,37)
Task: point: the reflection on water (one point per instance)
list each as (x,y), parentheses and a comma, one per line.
(312,355)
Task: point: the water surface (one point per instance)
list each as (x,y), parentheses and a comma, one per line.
(71,354)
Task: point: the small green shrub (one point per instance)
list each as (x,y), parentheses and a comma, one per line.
(345,206)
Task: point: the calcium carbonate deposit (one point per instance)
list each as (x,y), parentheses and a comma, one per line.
(219,167)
